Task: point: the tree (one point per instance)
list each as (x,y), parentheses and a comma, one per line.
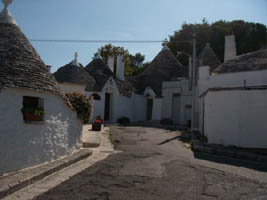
(137,59)
(249,37)
(132,62)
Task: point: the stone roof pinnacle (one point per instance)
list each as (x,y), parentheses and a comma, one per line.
(75,61)
(165,45)
(5,16)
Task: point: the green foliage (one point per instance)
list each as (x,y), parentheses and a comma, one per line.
(133,63)
(82,105)
(137,59)
(38,112)
(99,117)
(249,37)
(136,70)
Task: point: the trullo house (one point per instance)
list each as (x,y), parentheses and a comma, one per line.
(36,123)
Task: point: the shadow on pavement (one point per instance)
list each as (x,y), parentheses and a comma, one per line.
(169,140)
(160,126)
(231,161)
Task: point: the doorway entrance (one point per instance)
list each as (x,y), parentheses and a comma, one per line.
(176,102)
(107,107)
(149,109)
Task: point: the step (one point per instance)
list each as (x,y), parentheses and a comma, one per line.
(13,182)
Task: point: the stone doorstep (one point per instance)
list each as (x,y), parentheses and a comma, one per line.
(91,144)
(13,182)
(92,139)
(220,151)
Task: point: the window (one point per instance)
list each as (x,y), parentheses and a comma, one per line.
(95,97)
(33,109)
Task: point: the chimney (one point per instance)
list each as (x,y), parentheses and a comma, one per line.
(120,67)
(230,47)
(49,68)
(111,63)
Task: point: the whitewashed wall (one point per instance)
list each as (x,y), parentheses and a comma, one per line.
(123,107)
(230,79)
(133,107)
(157,103)
(237,79)
(98,105)
(240,120)
(24,145)
(171,88)
(111,88)
(156,113)
(70,88)
(139,108)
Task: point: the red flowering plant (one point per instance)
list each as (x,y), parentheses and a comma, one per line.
(96,126)
(98,121)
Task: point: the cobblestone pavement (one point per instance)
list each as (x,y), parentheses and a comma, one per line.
(154,165)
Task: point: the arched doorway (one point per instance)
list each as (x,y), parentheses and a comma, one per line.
(95,97)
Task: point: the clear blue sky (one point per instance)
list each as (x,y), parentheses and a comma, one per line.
(119,20)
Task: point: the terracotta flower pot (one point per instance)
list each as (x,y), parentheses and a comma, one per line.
(96,126)
(28,116)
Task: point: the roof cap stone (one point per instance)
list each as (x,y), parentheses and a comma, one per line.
(75,61)
(5,16)
(165,45)
(98,56)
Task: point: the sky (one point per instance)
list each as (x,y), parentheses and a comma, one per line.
(119,20)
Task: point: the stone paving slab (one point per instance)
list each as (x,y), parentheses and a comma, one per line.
(13,182)
(91,139)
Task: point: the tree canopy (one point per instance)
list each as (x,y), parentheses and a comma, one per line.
(133,63)
(249,37)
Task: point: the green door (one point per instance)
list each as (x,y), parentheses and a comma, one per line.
(149,109)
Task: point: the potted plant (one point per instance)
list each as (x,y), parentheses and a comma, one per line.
(97,125)
(30,114)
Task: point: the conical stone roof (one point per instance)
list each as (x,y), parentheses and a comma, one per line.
(101,72)
(74,74)
(208,58)
(97,66)
(164,67)
(20,64)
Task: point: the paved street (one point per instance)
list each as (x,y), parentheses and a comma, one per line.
(154,165)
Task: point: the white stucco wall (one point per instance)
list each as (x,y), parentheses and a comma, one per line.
(236,79)
(157,102)
(156,114)
(70,88)
(98,105)
(123,107)
(236,117)
(24,145)
(170,89)
(232,79)
(139,108)
(120,106)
